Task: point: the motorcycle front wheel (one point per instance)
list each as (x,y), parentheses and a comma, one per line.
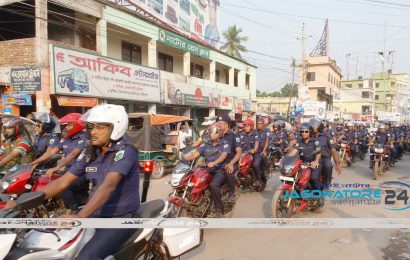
(280,207)
(376,169)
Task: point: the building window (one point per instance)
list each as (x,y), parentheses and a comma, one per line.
(197,70)
(366,110)
(361,85)
(349,85)
(377,85)
(311,76)
(376,97)
(131,52)
(217,75)
(165,62)
(365,94)
(247,81)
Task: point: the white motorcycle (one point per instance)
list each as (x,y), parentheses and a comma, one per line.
(146,243)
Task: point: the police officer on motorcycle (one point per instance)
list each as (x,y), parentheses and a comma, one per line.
(111,164)
(234,155)
(17,148)
(328,150)
(381,137)
(215,151)
(351,138)
(362,135)
(45,139)
(260,161)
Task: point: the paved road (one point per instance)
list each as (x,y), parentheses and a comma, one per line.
(306,243)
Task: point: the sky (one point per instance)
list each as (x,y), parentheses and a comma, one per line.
(356,27)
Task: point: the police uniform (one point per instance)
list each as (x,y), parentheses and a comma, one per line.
(124,201)
(67,145)
(42,142)
(307,150)
(326,145)
(381,138)
(211,153)
(260,161)
(248,141)
(362,136)
(329,133)
(234,142)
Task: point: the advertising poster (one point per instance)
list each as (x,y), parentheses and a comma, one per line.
(17,99)
(82,74)
(194,18)
(26,80)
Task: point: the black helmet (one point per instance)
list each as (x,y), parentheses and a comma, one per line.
(18,127)
(316,123)
(47,122)
(306,126)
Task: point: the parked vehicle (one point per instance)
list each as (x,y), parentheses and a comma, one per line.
(66,243)
(295,177)
(155,136)
(191,195)
(380,161)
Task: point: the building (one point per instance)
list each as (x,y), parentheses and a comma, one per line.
(392,92)
(357,98)
(323,78)
(273,105)
(70,56)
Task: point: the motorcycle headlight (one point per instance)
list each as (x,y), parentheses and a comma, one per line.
(288,169)
(379,150)
(4,185)
(343,145)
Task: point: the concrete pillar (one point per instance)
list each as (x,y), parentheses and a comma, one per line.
(152,108)
(152,53)
(212,111)
(241,79)
(187,64)
(102,36)
(41,47)
(212,71)
(231,76)
(187,112)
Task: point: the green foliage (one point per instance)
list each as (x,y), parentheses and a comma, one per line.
(234,41)
(288,90)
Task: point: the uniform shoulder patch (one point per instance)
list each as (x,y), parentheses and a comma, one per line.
(226,146)
(238,139)
(316,142)
(331,141)
(119,155)
(52,141)
(80,142)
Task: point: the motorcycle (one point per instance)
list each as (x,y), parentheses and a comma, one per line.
(345,154)
(246,175)
(66,243)
(295,177)
(379,162)
(192,195)
(274,156)
(22,178)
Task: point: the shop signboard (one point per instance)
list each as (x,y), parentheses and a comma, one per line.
(64,101)
(17,99)
(27,80)
(315,108)
(83,74)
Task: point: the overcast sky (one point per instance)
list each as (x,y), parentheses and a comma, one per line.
(355,27)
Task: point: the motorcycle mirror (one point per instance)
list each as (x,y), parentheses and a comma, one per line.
(30,200)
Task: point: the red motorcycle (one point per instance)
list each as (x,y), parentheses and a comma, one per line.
(345,154)
(192,195)
(246,175)
(295,177)
(22,178)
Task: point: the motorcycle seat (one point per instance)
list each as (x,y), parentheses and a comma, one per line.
(150,209)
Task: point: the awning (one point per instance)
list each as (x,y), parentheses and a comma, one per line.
(77,101)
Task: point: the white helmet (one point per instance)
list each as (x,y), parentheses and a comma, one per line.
(109,114)
(349,124)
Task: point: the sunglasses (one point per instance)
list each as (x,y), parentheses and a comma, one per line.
(305,132)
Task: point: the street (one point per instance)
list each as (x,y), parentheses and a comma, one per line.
(306,243)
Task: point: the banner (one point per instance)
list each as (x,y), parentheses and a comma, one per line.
(26,80)
(194,18)
(178,92)
(315,108)
(77,102)
(181,43)
(84,74)
(17,99)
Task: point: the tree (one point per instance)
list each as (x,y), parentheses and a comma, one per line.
(289,90)
(234,40)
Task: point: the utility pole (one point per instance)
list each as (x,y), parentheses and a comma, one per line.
(347,66)
(383,61)
(304,61)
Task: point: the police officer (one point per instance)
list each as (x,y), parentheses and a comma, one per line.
(215,151)
(309,148)
(327,130)
(45,139)
(381,137)
(234,155)
(111,165)
(259,157)
(328,149)
(362,135)
(73,142)
(249,139)
(351,137)
(17,148)
(403,138)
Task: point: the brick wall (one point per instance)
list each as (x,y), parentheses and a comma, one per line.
(19,52)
